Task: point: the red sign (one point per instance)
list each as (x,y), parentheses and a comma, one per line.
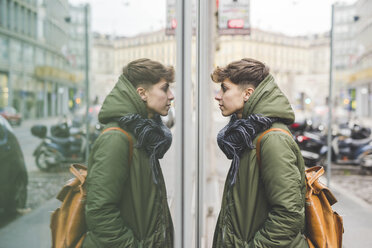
(235,23)
(174,23)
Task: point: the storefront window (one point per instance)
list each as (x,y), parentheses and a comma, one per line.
(3,90)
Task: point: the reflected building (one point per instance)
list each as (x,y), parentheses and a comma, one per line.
(353,57)
(154,45)
(105,72)
(299,64)
(111,54)
(35,67)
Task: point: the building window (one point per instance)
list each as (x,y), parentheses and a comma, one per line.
(28,54)
(15,16)
(4,48)
(39,57)
(9,11)
(16,51)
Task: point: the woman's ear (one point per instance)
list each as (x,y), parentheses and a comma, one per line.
(142,93)
(247,93)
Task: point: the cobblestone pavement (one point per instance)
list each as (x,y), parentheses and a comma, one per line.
(43,186)
(349,178)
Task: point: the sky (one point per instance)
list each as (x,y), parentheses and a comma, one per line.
(291,17)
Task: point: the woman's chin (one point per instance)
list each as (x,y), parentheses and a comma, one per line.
(164,113)
(223,113)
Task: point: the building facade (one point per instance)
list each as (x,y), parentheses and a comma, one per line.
(105,71)
(35,74)
(353,57)
(361,77)
(299,64)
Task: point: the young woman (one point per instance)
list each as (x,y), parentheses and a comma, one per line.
(126,196)
(263,204)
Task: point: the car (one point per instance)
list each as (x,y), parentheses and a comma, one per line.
(11,115)
(13,173)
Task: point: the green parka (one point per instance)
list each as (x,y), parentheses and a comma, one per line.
(124,208)
(265,208)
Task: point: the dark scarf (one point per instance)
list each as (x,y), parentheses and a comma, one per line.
(152,136)
(238,135)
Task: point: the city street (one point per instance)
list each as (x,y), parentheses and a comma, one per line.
(42,189)
(29,142)
(352,191)
(59,58)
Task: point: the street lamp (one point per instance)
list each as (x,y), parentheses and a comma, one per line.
(86,35)
(329,138)
(86,10)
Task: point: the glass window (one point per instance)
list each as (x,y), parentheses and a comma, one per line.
(28,52)
(4,48)
(39,57)
(48,59)
(16,49)
(16,17)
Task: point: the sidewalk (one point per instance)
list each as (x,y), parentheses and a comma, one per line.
(33,231)
(357,216)
(27,124)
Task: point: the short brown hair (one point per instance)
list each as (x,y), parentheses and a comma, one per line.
(242,72)
(147,72)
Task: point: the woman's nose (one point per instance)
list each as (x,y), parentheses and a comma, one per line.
(218,96)
(170,96)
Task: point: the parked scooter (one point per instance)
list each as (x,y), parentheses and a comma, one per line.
(310,139)
(350,145)
(355,149)
(313,147)
(67,144)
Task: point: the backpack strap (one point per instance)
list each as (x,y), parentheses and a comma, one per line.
(129,139)
(313,174)
(80,171)
(258,144)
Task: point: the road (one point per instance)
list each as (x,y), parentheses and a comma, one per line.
(32,230)
(29,142)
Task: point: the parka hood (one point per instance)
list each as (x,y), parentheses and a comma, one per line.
(269,100)
(122,100)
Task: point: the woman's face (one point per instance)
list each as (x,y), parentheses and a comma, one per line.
(231,98)
(158,98)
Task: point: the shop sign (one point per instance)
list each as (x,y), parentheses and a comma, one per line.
(234,17)
(362,75)
(171,23)
(51,72)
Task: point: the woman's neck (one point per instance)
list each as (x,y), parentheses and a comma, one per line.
(239,114)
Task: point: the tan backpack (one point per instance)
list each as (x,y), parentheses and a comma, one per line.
(67,222)
(324,227)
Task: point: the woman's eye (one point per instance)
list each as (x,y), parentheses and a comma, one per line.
(165,88)
(223,88)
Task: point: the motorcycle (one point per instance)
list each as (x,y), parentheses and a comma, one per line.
(313,147)
(310,139)
(354,149)
(350,145)
(67,144)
